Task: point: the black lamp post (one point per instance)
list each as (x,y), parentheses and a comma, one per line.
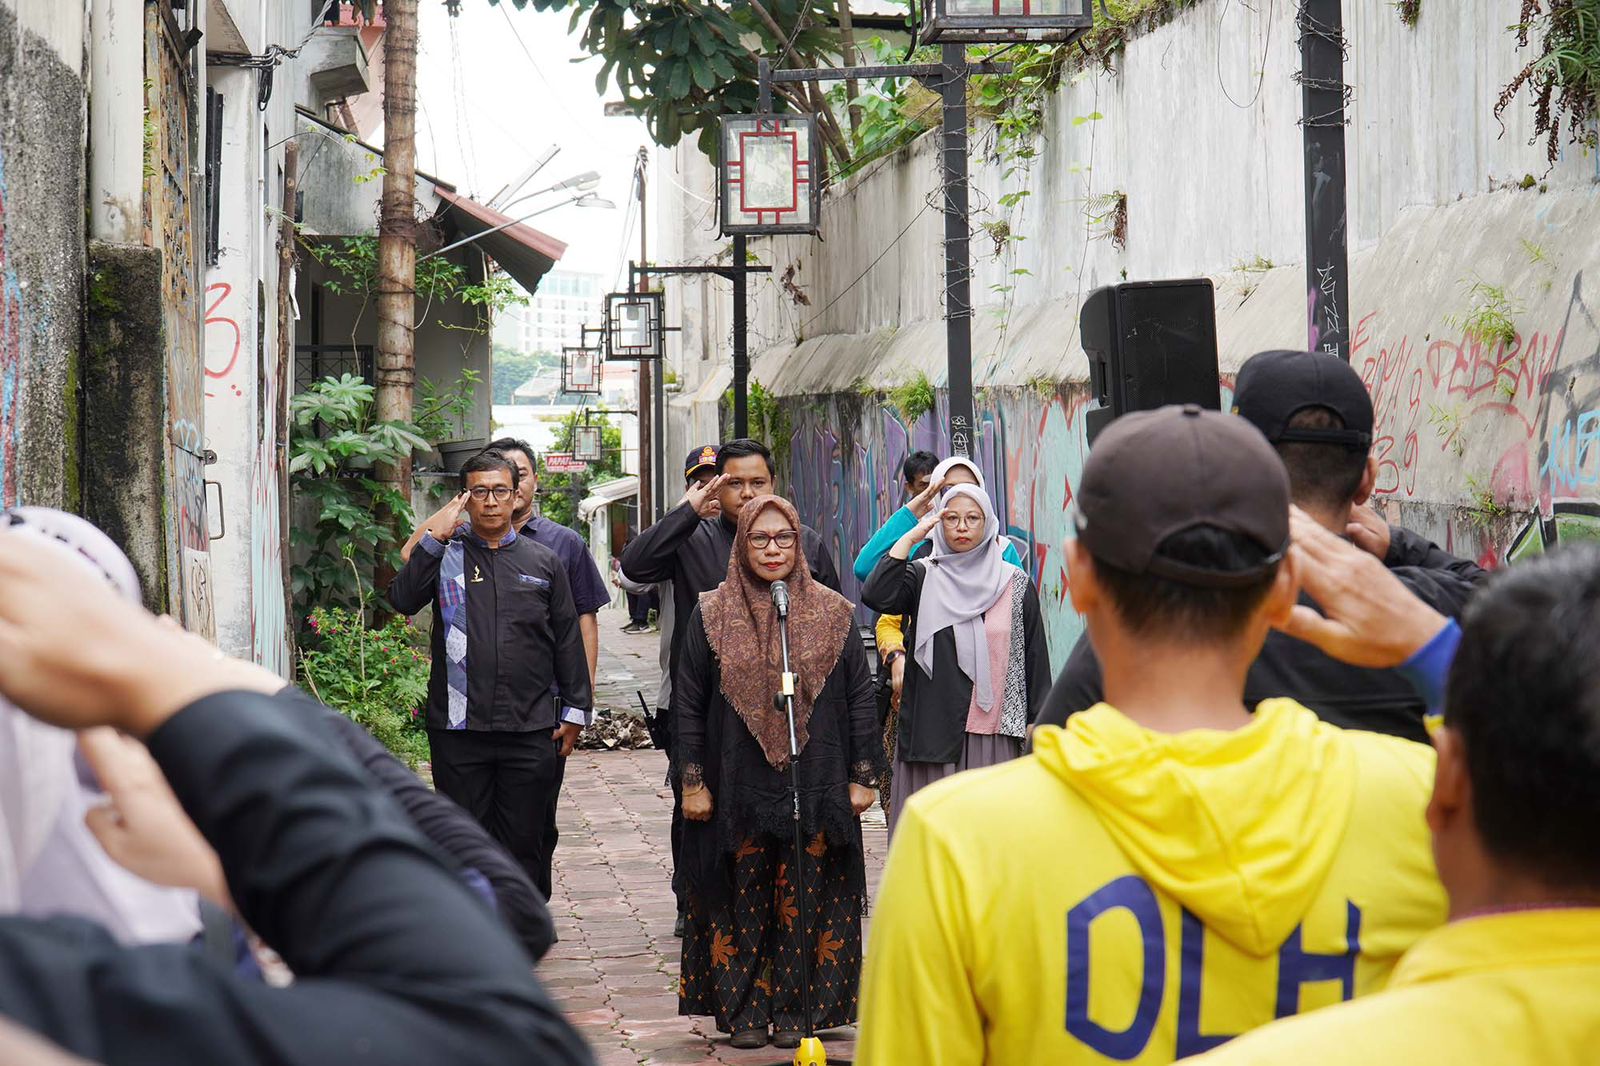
(951,24)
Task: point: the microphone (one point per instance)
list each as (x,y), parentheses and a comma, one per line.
(780,598)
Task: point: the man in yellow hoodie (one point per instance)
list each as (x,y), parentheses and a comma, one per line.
(1515,814)
(1168,871)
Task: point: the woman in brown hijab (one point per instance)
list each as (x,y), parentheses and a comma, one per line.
(741,961)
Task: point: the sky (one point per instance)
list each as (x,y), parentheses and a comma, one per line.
(496,89)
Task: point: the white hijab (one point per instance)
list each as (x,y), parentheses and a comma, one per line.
(957,589)
(950,464)
(49,861)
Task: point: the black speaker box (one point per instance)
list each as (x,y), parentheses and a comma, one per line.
(1150,344)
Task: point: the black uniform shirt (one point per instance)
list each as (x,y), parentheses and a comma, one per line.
(522,634)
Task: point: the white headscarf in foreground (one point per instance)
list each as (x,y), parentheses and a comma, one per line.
(50,863)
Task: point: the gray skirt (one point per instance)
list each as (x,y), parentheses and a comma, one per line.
(977,751)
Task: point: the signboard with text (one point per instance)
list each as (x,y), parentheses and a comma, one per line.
(564,463)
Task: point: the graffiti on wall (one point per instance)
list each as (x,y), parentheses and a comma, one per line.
(1531,405)
(224,340)
(11,361)
(844,475)
(170,221)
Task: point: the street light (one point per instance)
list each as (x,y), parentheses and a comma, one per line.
(580,370)
(1005,21)
(581,200)
(769,172)
(633,326)
(585,182)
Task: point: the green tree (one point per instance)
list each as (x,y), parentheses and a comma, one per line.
(680,64)
(513,368)
(559,494)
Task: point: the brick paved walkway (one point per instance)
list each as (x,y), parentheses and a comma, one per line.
(615,970)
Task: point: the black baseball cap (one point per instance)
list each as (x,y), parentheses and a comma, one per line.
(1152,474)
(701,458)
(1274,386)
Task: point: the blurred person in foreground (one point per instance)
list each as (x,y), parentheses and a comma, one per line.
(397,960)
(1169,870)
(1515,819)
(742,944)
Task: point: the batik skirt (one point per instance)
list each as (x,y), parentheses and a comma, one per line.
(741,955)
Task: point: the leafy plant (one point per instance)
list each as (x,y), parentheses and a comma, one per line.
(1563,77)
(913,398)
(681,65)
(1485,508)
(770,422)
(352,263)
(1108,217)
(1447,424)
(1489,320)
(441,413)
(376,677)
(1409,10)
(333,445)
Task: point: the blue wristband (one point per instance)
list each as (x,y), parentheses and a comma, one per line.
(1429,666)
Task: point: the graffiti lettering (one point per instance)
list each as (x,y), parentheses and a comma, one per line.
(224,338)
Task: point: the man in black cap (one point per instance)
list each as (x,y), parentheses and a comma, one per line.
(690,548)
(1316,413)
(1169,870)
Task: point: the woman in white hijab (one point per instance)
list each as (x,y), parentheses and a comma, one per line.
(980,666)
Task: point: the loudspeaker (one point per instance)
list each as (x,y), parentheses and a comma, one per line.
(1150,344)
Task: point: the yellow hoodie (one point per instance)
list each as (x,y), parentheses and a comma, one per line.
(1124,895)
(1504,988)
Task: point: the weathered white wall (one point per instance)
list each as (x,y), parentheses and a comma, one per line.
(1210,186)
(243,376)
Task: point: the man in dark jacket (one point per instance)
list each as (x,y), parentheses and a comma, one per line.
(505,642)
(1316,412)
(690,548)
(397,961)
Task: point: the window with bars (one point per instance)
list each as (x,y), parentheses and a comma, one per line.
(313,362)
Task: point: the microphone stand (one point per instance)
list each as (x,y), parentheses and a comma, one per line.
(810,1052)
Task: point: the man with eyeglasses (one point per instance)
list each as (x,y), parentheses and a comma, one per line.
(505,640)
(690,548)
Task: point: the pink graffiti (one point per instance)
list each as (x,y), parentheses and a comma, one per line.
(213,318)
(1486,389)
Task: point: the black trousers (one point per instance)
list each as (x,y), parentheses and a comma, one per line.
(509,782)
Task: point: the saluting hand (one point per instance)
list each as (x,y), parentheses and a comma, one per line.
(703,498)
(1368,617)
(442,524)
(923,501)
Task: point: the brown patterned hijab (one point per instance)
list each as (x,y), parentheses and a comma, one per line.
(742,626)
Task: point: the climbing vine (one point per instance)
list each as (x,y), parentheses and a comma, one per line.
(1563,77)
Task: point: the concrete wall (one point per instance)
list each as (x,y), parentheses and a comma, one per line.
(1486,447)
(244,380)
(42,131)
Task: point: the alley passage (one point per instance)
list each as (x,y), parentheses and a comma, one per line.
(616,967)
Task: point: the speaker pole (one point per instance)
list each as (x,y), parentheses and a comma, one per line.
(957,253)
(1323,97)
